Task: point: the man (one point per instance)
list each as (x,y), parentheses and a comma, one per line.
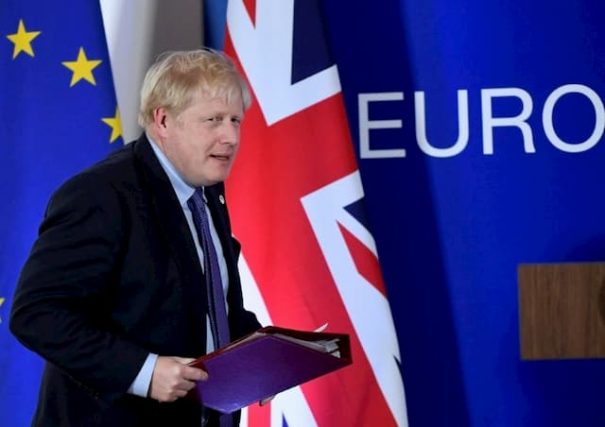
(117,294)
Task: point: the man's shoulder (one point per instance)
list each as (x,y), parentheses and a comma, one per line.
(118,164)
(121,167)
(117,173)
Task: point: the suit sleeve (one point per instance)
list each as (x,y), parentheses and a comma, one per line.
(62,304)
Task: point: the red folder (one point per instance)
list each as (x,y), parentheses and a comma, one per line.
(265,363)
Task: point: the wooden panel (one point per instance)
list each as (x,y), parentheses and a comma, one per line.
(562,310)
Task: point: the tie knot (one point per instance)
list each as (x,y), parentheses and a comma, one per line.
(197,199)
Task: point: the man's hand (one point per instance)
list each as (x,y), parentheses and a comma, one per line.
(172,378)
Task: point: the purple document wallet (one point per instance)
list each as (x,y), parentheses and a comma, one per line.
(265,363)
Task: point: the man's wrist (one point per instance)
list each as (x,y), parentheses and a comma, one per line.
(140,385)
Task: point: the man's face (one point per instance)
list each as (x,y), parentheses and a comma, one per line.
(202,141)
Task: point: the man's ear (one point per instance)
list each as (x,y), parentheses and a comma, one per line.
(160,116)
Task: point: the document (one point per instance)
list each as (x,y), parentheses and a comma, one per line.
(267,362)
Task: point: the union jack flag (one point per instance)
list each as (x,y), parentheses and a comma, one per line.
(296,202)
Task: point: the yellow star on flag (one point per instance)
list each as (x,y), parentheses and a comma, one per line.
(115,124)
(82,68)
(1,302)
(22,40)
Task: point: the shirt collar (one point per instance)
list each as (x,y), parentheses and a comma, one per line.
(183,190)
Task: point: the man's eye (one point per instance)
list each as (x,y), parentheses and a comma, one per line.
(236,120)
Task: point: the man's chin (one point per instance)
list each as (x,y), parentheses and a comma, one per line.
(218,175)
(208,181)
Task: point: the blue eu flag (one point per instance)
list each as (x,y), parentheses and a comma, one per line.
(58,115)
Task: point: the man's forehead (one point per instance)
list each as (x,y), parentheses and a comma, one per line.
(218,102)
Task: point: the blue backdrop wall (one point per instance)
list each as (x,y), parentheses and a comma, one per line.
(479,130)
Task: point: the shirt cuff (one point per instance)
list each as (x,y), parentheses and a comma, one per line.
(140,385)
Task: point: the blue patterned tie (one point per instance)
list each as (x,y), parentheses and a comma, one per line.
(217,309)
(216,296)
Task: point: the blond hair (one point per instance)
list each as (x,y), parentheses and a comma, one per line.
(175,77)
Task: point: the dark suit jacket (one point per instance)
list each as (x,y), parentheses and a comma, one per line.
(113,276)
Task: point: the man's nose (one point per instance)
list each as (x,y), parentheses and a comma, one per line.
(229,132)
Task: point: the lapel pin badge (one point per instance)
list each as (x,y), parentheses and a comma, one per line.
(221,199)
